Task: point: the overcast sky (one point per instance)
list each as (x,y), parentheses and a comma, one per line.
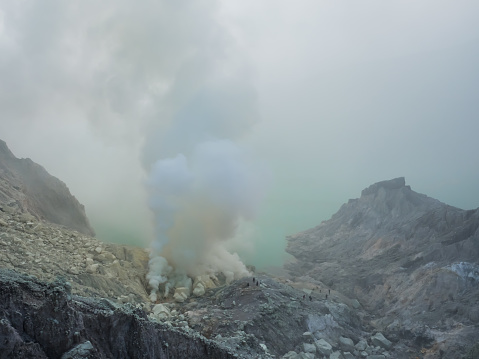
(329,96)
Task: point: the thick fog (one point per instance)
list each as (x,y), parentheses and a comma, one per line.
(260,118)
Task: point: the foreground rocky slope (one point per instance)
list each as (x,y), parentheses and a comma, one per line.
(410,260)
(42,320)
(94,268)
(28,188)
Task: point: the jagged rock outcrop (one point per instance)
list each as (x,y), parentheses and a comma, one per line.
(410,260)
(27,187)
(43,320)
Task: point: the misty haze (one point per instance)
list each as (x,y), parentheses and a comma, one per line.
(239,179)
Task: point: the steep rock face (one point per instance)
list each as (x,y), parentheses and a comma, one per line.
(41,320)
(408,258)
(27,187)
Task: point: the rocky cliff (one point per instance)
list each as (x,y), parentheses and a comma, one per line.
(410,260)
(43,320)
(27,187)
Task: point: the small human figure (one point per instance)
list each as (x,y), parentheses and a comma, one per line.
(326,296)
(247,284)
(310,298)
(257,283)
(320,291)
(304,296)
(253,280)
(329,291)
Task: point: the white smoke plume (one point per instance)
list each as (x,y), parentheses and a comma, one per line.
(201,183)
(198,203)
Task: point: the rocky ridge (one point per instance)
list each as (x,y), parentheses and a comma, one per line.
(410,260)
(27,187)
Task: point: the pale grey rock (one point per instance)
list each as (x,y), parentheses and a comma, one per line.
(336,355)
(323,347)
(309,348)
(161,312)
(308,335)
(379,340)
(74,270)
(93,268)
(348,355)
(290,355)
(81,351)
(180,297)
(376,356)
(303,355)
(361,345)
(346,344)
(355,303)
(199,290)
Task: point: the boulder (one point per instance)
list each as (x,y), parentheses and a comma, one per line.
(205,280)
(348,355)
(93,268)
(74,270)
(309,348)
(290,355)
(181,293)
(199,290)
(303,355)
(361,345)
(346,344)
(308,335)
(323,347)
(83,350)
(381,341)
(336,355)
(161,312)
(183,290)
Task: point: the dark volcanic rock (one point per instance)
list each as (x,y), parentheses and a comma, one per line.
(27,187)
(272,314)
(40,320)
(410,260)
